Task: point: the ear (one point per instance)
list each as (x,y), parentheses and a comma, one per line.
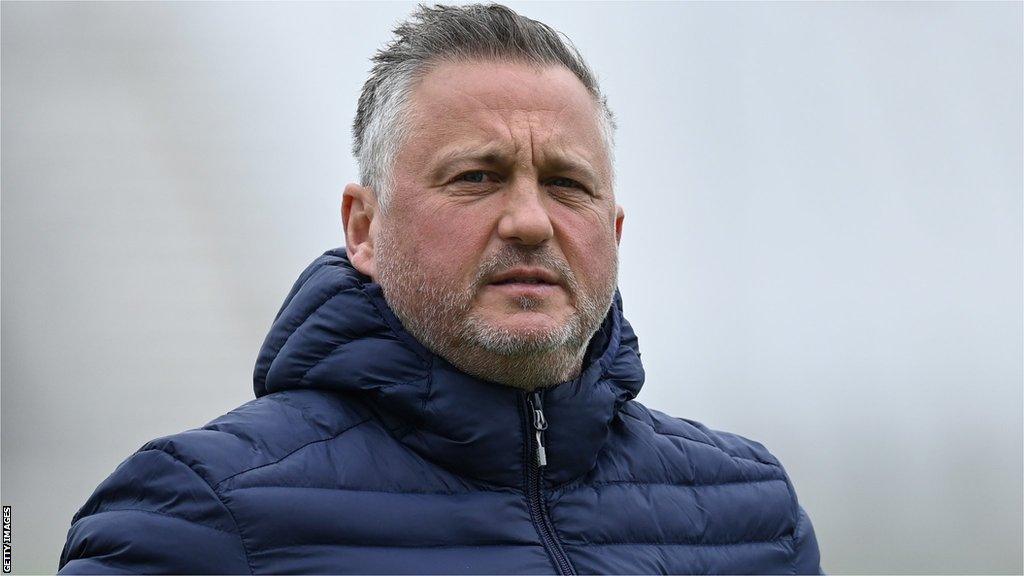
(620,215)
(358,209)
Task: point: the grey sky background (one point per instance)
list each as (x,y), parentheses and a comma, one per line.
(822,248)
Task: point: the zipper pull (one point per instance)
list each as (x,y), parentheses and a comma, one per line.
(539,425)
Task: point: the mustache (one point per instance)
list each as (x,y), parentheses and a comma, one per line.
(511,256)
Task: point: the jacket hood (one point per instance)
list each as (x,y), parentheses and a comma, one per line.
(336,332)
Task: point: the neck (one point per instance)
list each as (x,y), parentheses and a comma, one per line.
(525,371)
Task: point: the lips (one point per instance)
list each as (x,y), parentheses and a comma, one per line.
(521,281)
(528,276)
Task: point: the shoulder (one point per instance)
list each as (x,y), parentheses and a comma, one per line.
(740,478)
(261,432)
(169,489)
(676,450)
(727,443)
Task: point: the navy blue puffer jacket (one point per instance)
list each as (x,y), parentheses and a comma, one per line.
(365,453)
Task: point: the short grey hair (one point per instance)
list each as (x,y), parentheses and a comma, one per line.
(445,34)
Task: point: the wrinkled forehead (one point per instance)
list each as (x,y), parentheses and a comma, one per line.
(503,104)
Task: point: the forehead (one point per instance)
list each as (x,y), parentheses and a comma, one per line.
(504,104)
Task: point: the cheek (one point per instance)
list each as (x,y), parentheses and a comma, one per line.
(589,247)
(447,243)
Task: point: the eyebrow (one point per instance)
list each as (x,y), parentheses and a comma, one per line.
(486,154)
(496,154)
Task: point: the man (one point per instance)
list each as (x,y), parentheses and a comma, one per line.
(453,391)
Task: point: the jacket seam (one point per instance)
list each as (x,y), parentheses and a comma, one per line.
(680,484)
(691,440)
(796,547)
(615,338)
(694,544)
(426,393)
(314,267)
(158,513)
(302,378)
(296,289)
(398,330)
(331,296)
(796,519)
(281,459)
(399,439)
(402,335)
(371,491)
(238,531)
(280,400)
(333,349)
(414,546)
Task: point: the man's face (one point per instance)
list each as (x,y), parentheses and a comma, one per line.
(501,230)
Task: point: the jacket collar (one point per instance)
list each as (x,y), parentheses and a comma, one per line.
(336,332)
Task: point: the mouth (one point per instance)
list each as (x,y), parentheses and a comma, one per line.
(537,277)
(536,284)
(521,281)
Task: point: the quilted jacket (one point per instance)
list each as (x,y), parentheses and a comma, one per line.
(365,453)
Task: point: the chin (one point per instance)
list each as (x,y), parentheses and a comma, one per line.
(529,322)
(525,333)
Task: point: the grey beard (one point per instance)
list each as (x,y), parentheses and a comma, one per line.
(439,316)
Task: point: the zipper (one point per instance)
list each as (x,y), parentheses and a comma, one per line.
(536,460)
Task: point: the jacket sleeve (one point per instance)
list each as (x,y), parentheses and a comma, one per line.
(805,543)
(154,515)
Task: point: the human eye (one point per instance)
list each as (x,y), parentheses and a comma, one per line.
(562,182)
(473,177)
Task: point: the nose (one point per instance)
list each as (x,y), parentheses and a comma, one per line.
(525,219)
